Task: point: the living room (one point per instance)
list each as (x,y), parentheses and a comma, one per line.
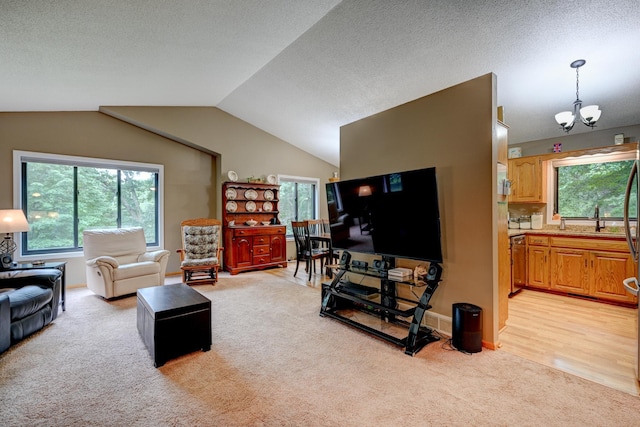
(199,144)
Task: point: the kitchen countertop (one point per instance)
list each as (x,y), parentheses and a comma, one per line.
(571,230)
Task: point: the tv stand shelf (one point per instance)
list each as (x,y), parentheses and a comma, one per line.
(341,295)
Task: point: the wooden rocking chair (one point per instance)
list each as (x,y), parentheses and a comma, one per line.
(201,252)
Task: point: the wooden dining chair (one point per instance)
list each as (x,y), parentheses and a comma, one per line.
(315,226)
(325,227)
(304,249)
(315,229)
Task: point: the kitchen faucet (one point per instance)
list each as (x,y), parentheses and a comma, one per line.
(596,216)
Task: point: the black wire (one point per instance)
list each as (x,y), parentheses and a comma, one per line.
(447,344)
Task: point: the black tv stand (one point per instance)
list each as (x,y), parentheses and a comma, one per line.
(383,302)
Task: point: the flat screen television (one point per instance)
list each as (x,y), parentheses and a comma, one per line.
(393,215)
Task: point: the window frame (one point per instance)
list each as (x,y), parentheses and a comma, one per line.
(552,183)
(303,180)
(23,157)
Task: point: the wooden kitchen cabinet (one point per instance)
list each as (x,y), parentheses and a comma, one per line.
(607,273)
(569,270)
(591,267)
(538,261)
(538,267)
(528,180)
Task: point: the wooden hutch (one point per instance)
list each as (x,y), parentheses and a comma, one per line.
(249,246)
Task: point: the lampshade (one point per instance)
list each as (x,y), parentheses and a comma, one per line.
(13,221)
(364,190)
(590,114)
(564,117)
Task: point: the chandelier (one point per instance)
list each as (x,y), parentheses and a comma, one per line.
(589,115)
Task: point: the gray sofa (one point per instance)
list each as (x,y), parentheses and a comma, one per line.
(29,301)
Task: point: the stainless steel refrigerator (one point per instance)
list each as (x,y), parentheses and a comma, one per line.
(632,232)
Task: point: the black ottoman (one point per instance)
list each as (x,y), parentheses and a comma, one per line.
(173,320)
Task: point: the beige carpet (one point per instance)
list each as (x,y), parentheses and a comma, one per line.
(274,361)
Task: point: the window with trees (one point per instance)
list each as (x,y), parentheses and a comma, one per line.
(63,195)
(583,183)
(298,200)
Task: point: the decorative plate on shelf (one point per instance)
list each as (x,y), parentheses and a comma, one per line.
(271,179)
(231,206)
(231,193)
(267,207)
(250,206)
(233,177)
(251,194)
(268,195)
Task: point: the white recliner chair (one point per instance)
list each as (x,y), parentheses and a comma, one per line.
(118,262)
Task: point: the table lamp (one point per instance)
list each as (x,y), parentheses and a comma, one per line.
(11,221)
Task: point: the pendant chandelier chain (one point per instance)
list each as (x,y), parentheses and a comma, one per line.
(577,83)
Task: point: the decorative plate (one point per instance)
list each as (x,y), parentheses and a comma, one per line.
(251,194)
(268,195)
(232,176)
(251,206)
(267,207)
(231,206)
(231,193)
(271,179)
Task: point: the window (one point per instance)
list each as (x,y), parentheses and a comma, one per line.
(298,200)
(584,182)
(63,195)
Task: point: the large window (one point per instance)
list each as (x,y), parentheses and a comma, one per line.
(583,183)
(62,196)
(298,200)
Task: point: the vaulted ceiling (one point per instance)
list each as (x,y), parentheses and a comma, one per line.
(300,69)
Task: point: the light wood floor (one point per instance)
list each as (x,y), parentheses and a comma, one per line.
(588,339)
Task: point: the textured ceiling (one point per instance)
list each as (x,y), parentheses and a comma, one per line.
(300,69)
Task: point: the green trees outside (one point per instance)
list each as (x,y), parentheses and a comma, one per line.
(582,187)
(106,198)
(297,202)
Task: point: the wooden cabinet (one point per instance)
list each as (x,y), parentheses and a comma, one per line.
(538,261)
(570,270)
(258,246)
(592,267)
(538,266)
(254,248)
(607,272)
(528,178)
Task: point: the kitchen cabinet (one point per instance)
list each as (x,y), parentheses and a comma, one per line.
(528,180)
(587,266)
(569,270)
(537,262)
(607,272)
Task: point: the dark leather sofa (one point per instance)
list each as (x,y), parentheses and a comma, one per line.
(29,301)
